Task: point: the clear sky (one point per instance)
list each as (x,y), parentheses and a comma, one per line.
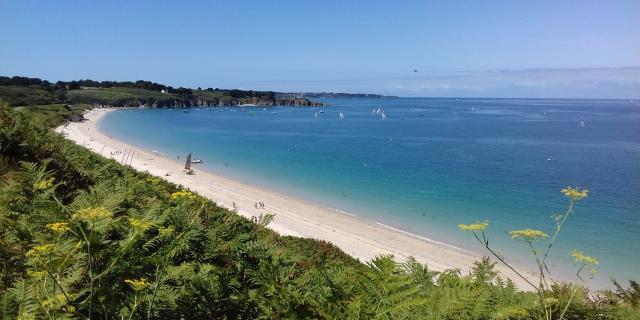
(460,48)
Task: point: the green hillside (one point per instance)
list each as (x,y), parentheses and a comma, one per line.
(23,91)
(52,115)
(26,95)
(117,95)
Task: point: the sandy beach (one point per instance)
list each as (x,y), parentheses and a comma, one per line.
(359,237)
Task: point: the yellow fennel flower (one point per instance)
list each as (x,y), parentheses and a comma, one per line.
(58,227)
(45,183)
(528,235)
(478,226)
(54,302)
(166,231)
(575,193)
(93,214)
(153,180)
(41,249)
(36,274)
(137,284)
(140,224)
(183,194)
(581,257)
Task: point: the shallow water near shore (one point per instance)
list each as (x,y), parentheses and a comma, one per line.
(432,164)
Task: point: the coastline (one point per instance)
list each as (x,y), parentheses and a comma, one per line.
(357,236)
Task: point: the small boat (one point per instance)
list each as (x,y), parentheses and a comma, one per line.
(582,123)
(186,111)
(341,115)
(274,112)
(321,111)
(383,116)
(196,161)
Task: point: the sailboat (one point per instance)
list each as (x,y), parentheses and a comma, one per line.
(341,115)
(187,166)
(316,115)
(383,116)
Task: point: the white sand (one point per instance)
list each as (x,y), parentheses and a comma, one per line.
(361,238)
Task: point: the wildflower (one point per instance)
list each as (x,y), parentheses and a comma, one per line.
(528,235)
(58,227)
(93,214)
(70,309)
(478,226)
(140,224)
(183,194)
(550,301)
(36,274)
(166,231)
(137,285)
(575,193)
(40,250)
(153,180)
(54,302)
(582,258)
(45,183)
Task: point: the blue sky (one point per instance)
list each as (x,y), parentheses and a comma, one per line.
(460,48)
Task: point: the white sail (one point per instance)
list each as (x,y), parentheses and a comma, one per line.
(341,115)
(187,166)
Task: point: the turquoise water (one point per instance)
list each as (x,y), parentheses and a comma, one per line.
(433,163)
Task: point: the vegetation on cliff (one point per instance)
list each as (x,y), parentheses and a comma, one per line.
(83,237)
(23,91)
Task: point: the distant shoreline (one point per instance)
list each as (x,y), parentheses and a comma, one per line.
(359,237)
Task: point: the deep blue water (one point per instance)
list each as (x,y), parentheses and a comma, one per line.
(433,163)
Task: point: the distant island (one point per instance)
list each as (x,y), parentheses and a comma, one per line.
(322,95)
(25,91)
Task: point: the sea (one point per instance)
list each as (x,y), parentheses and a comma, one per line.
(425,165)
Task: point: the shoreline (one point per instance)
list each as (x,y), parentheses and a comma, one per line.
(357,236)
